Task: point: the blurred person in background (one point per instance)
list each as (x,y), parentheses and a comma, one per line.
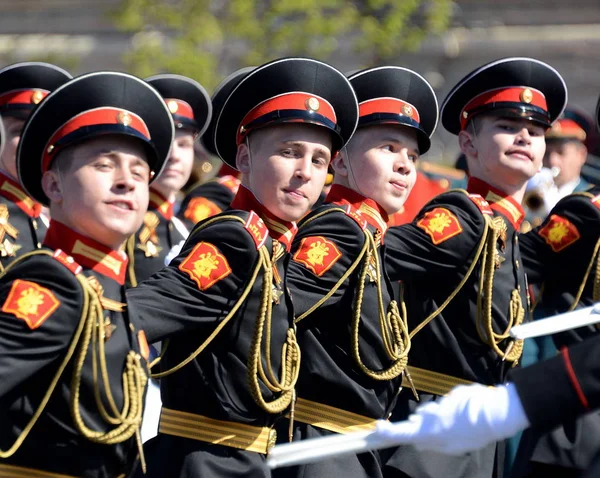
(22,87)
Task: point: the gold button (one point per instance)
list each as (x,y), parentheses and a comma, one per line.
(50,149)
(465,114)
(70,260)
(517,263)
(312,104)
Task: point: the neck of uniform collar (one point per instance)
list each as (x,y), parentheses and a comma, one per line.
(12,190)
(374,214)
(499,201)
(280,230)
(161,204)
(87,252)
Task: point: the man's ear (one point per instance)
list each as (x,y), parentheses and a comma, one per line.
(52,186)
(339,163)
(466,143)
(242,158)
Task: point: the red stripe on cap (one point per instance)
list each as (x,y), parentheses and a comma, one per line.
(296,100)
(566,128)
(513,94)
(180,108)
(96,117)
(573,378)
(388,105)
(28,96)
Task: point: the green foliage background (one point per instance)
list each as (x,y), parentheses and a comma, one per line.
(197,37)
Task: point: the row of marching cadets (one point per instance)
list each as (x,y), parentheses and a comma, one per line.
(275,319)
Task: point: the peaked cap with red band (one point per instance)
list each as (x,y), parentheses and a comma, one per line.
(289,90)
(89,106)
(511,87)
(573,124)
(24,85)
(395,95)
(187,100)
(221,93)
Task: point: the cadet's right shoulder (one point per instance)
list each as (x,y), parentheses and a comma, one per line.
(334,217)
(472,204)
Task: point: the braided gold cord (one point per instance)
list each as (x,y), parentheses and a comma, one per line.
(596,286)
(484,322)
(394,328)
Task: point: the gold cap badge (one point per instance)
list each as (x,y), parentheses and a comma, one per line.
(37,96)
(312,104)
(124,118)
(526,95)
(407,110)
(173,106)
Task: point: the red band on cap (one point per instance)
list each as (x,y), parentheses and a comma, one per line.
(566,128)
(96,117)
(179,108)
(388,105)
(296,100)
(29,96)
(513,94)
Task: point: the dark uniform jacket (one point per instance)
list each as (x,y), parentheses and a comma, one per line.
(149,247)
(461,267)
(22,227)
(223,306)
(208,199)
(64,307)
(561,256)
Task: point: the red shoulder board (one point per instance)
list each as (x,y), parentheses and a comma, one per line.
(440,224)
(205,265)
(559,233)
(67,261)
(482,204)
(354,214)
(200,208)
(317,254)
(596,201)
(30,302)
(257,229)
(230,182)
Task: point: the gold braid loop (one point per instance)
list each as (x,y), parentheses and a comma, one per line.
(394,328)
(484,323)
(596,286)
(290,354)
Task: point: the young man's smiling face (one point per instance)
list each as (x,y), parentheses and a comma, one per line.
(99,188)
(380,163)
(285,167)
(503,151)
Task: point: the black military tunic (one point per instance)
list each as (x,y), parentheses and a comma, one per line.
(149,247)
(208,199)
(22,227)
(337,279)
(463,248)
(227,281)
(561,255)
(44,304)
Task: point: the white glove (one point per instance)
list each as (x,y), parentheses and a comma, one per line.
(174,252)
(467,419)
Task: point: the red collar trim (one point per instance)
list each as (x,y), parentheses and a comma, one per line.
(499,201)
(87,252)
(279,230)
(161,204)
(374,214)
(12,191)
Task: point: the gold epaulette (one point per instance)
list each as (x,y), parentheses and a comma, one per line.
(89,337)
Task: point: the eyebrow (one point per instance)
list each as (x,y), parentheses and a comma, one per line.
(290,142)
(399,141)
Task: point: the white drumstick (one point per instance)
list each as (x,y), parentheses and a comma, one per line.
(558,323)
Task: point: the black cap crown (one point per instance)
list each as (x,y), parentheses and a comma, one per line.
(289,90)
(396,95)
(89,106)
(511,87)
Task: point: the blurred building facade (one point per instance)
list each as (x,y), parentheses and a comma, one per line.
(564,34)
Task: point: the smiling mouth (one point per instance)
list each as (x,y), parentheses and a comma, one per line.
(521,153)
(124,205)
(295,193)
(399,185)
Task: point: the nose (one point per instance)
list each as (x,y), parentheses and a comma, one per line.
(403,162)
(304,168)
(124,180)
(523,136)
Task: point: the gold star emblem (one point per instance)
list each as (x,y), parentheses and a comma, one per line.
(150,249)
(8,249)
(277,293)
(109,328)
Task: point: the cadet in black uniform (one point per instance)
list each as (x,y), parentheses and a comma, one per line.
(72,361)
(561,255)
(465,285)
(191,108)
(22,87)
(231,362)
(352,335)
(209,198)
